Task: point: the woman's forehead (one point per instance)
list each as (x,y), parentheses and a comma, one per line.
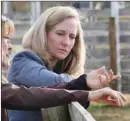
(67,25)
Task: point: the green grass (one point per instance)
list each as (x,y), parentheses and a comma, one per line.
(97,106)
(102,112)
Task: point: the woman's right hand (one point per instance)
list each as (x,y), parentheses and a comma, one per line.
(107,95)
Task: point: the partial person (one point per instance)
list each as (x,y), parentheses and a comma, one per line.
(10,27)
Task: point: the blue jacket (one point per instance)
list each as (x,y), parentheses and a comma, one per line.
(28,69)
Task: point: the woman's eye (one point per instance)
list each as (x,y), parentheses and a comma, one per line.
(72,37)
(60,33)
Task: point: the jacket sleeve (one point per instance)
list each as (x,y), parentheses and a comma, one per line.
(34,98)
(28,69)
(75,84)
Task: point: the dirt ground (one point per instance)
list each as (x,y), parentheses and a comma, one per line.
(110,113)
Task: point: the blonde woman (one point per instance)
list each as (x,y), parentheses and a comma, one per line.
(34,98)
(53,52)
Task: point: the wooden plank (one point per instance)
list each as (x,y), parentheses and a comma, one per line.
(103,33)
(99,25)
(88,13)
(104,40)
(78,113)
(99,53)
(104,12)
(95,63)
(125,11)
(59,113)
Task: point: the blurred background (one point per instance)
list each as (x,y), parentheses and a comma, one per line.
(106,26)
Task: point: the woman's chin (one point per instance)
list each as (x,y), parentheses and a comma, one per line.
(61,57)
(4,65)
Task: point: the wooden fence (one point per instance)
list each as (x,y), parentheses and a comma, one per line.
(72,112)
(96,35)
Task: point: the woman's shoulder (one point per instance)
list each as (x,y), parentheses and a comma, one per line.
(27,54)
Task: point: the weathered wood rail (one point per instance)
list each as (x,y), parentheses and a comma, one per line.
(78,113)
(72,112)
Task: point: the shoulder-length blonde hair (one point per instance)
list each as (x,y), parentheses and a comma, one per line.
(7,30)
(7,26)
(36,38)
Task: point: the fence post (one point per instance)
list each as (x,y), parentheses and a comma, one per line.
(6,7)
(36,11)
(114,39)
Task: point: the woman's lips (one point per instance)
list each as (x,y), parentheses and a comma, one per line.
(63,50)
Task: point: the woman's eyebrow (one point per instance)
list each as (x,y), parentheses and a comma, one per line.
(5,37)
(64,31)
(60,30)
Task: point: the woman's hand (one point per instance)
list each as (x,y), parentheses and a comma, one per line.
(108,96)
(100,78)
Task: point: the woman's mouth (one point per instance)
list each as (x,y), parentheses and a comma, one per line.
(63,51)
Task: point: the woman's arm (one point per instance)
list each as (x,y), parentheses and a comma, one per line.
(9,90)
(75,84)
(28,69)
(34,98)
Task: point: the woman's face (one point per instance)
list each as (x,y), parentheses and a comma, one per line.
(4,52)
(9,46)
(61,38)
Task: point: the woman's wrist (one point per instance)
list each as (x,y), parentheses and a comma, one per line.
(88,87)
(95,94)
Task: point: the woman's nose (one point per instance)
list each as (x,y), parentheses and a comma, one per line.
(9,46)
(66,40)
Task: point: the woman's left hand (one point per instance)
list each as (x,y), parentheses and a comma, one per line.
(100,78)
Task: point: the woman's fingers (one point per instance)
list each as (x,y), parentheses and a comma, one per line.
(107,77)
(123,97)
(103,81)
(121,102)
(112,101)
(107,95)
(111,74)
(116,77)
(112,93)
(117,98)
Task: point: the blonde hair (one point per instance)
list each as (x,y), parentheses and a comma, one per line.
(36,38)
(7,30)
(7,26)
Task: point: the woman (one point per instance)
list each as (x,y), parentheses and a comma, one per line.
(22,98)
(54,52)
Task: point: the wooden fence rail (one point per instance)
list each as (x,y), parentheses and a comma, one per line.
(103,12)
(72,112)
(78,113)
